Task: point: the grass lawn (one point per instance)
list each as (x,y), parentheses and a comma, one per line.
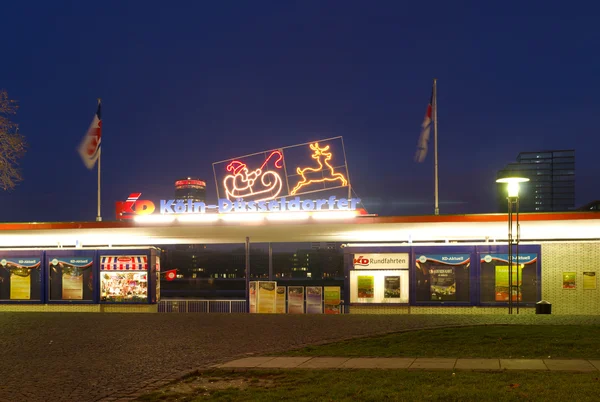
(379,385)
(502,341)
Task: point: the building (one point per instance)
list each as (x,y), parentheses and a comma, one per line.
(552,181)
(190,189)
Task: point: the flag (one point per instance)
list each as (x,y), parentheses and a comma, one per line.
(170,275)
(89,149)
(424,137)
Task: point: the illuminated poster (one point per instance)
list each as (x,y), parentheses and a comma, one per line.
(569,280)
(314,300)
(280,304)
(332,299)
(366,286)
(494,278)
(18,273)
(443,277)
(443,283)
(295,300)
(392,287)
(266,297)
(502,282)
(589,280)
(71,278)
(252,296)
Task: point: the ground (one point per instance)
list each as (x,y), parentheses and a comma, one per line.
(93,356)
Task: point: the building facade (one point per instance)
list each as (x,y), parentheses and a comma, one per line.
(552,181)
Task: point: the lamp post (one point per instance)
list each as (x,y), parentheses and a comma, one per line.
(513,241)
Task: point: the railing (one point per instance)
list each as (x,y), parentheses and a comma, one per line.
(210,306)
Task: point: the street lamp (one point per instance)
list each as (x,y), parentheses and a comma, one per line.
(513,241)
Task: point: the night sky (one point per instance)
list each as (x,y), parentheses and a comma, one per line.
(185,84)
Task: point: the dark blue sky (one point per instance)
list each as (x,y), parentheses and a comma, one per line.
(185,84)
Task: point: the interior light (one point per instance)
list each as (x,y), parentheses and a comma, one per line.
(154,218)
(288,216)
(243,217)
(334,215)
(198,218)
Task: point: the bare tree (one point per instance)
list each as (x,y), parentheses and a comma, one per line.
(12,144)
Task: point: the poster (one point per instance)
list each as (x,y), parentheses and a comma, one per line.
(266,297)
(252,296)
(19,272)
(502,284)
(314,300)
(366,286)
(589,280)
(71,278)
(280,303)
(392,287)
(295,300)
(332,299)
(569,280)
(442,283)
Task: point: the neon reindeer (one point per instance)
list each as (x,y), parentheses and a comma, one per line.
(322,157)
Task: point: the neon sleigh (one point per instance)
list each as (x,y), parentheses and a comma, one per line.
(258,185)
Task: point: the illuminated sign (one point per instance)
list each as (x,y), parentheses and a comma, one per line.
(328,174)
(133,206)
(263,183)
(190,183)
(381,261)
(136,207)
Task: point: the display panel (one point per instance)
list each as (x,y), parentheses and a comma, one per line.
(71,279)
(379,286)
(295,299)
(332,299)
(267,297)
(124,279)
(20,279)
(280,303)
(314,300)
(443,277)
(494,278)
(589,280)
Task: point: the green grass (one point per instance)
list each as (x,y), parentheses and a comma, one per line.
(380,385)
(514,341)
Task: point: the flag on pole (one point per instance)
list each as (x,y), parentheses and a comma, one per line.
(424,137)
(89,149)
(171,274)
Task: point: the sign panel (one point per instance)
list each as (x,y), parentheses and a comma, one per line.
(381,261)
(314,300)
(266,297)
(280,304)
(392,287)
(252,296)
(19,273)
(569,280)
(332,299)
(295,300)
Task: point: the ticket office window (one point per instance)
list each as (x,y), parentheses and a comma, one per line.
(379,286)
(124,279)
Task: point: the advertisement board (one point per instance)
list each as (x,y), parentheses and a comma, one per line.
(314,300)
(381,261)
(332,299)
(20,278)
(71,278)
(295,300)
(280,304)
(266,302)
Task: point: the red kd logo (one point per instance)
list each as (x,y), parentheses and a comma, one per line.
(133,206)
(361,261)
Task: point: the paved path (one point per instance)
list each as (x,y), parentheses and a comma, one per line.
(92,356)
(412,363)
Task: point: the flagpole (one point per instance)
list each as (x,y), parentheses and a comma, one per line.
(435,146)
(99,216)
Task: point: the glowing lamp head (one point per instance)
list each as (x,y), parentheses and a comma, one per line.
(513,184)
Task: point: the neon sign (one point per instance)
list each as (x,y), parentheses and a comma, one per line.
(322,157)
(133,206)
(258,185)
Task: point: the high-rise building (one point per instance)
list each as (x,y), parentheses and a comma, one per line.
(552,181)
(190,188)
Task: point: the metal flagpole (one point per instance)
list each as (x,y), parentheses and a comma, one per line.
(435,146)
(99,216)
